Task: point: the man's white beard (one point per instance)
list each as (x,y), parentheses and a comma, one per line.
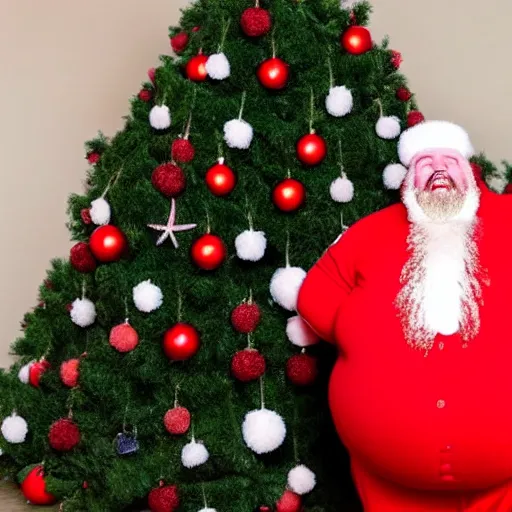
(441,287)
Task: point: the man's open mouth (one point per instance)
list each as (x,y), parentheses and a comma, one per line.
(440,180)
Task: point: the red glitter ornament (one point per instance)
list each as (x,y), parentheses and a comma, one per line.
(256,22)
(311,149)
(85,214)
(396,59)
(273,73)
(177,420)
(81,258)
(220,179)
(356,40)
(403,94)
(246,317)
(414,117)
(108,243)
(93,158)
(179,42)
(169,180)
(196,68)
(289,195)
(181,342)
(36,371)
(208,252)
(289,502)
(64,435)
(247,365)
(302,369)
(182,151)
(123,337)
(69,373)
(164,498)
(145,95)
(33,488)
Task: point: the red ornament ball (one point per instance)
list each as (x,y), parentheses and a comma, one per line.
(196,29)
(169,180)
(64,435)
(108,243)
(36,372)
(208,252)
(311,149)
(33,488)
(179,42)
(220,179)
(69,372)
(182,151)
(289,502)
(302,369)
(181,342)
(396,59)
(164,498)
(85,214)
(248,365)
(356,40)
(289,195)
(145,95)
(263,508)
(403,94)
(81,258)
(196,68)
(123,337)
(273,73)
(256,22)
(152,74)
(414,117)
(246,317)
(93,158)
(177,421)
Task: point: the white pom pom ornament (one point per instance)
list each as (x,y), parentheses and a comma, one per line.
(263,430)
(301,480)
(238,134)
(100,211)
(14,429)
(393,176)
(388,127)
(207,510)
(194,454)
(339,101)
(83,312)
(160,117)
(250,245)
(24,373)
(285,285)
(299,332)
(217,66)
(342,190)
(147,296)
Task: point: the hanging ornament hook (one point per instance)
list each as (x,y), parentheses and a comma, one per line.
(312,111)
(244,95)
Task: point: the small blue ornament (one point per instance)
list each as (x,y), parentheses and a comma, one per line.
(126,444)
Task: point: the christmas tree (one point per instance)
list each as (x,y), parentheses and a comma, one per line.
(165,366)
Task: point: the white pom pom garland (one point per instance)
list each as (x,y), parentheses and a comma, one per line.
(194,454)
(24,373)
(160,117)
(147,297)
(238,134)
(14,429)
(393,176)
(251,245)
(339,101)
(342,190)
(217,66)
(299,332)
(301,480)
(388,127)
(285,285)
(263,430)
(100,212)
(83,312)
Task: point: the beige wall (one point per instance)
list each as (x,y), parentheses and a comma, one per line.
(68,69)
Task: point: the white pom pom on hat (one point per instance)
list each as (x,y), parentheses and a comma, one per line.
(433,135)
(217,66)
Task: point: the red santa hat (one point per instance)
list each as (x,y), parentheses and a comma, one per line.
(433,135)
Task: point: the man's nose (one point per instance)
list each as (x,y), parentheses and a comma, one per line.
(439,163)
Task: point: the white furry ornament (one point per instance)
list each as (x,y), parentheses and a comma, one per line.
(147,296)
(14,429)
(207,510)
(285,285)
(100,211)
(24,373)
(299,332)
(301,480)
(217,66)
(263,430)
(342,190)
(251,245)
(393,176)
(83,312)
(238,134)
(160,117)
(339,101)
(194,454)
(388,127)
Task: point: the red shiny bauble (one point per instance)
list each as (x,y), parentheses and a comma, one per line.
(289,502)
(289,195)
(356,40)
(36,372)
(108,243)
(220,179)
(34,488)
(181,342)
(196,68)
(311,149)
(274,73)
(208,252)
